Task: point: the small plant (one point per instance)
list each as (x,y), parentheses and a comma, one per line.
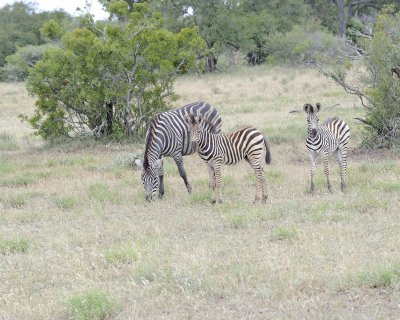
(386,277)
(7,142)
(14,201)
(13,246)
(92,305)
(237,221)
(122,255)
(66,203)
(283,233)
(102,193)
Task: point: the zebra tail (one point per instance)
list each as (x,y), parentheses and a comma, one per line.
(267,152)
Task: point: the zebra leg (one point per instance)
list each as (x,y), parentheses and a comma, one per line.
(218,182)
(341,159)
(161,187)
(326,171)
(260,180)
(211,173)
(312,159)
(179,162)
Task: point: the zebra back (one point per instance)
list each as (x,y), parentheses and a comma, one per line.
(167,134)
(339,129)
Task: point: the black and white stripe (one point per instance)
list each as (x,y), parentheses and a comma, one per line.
(217,149)
(330,137)
(167,135)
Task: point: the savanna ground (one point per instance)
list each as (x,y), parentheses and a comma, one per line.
(78,240)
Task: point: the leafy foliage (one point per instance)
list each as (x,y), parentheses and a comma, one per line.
(108,78)
(377,80)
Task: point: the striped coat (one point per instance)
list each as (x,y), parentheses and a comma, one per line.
(217,149)
(167,135)
(330,137)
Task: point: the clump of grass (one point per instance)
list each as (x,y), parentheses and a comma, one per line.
(102,193)
(237,221)
(8,142)
(284,233)
(387,186)
(13,246)
(200,196)
(5,166)
(15,202)
(65,202)
(216,90)
(122,254)
(92,305)
(385,277)
(23,180)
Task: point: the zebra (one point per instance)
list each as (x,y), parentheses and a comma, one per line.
(167,135)
(217,149)
(330,137)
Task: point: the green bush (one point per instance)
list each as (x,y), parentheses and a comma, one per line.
(92,305)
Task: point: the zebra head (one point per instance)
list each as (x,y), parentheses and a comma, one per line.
(194,126)
(150,177)
(312,118)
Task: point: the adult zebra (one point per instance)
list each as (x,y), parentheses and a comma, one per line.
(217,149)
(330,137)
(167,135)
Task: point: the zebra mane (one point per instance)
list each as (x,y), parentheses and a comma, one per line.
(149,138)
(205,123)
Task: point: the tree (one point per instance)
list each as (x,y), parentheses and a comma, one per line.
(108,78)
(377,84)
(20,24)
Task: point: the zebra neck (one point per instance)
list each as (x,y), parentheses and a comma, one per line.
(204,140)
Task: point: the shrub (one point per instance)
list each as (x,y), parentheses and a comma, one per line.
(13,246)
(92,305)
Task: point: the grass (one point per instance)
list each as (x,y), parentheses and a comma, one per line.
(8,142)
(16,245)
(121,254)
(92,305)
(79,240)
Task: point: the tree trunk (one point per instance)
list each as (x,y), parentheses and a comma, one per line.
(211,63)
(110,117)
(342,17)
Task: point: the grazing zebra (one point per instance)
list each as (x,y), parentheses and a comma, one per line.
(330,137)
(167,135)
(217,149)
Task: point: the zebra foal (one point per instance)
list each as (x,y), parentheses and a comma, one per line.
(167,135)
(217,149)
(330,137)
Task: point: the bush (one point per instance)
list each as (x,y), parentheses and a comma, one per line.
(92,305)
(299,45)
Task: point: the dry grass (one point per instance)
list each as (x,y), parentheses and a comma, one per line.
(74,222)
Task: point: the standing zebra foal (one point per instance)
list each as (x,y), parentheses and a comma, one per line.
(217,149)
(330,137)
(167,135)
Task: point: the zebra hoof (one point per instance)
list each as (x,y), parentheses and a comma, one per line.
(160,195)
(212,201)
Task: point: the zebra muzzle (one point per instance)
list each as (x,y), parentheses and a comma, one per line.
(313,133)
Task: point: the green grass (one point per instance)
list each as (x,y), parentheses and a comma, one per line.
(16,245)
(284,233)
(65,202)
(103,193)
(92,305)
(14,201)
(121,254)
(8,142)
(381,277)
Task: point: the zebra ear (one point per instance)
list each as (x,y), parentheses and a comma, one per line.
(318,107)
(307,107)
(139,163)
(158,164)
